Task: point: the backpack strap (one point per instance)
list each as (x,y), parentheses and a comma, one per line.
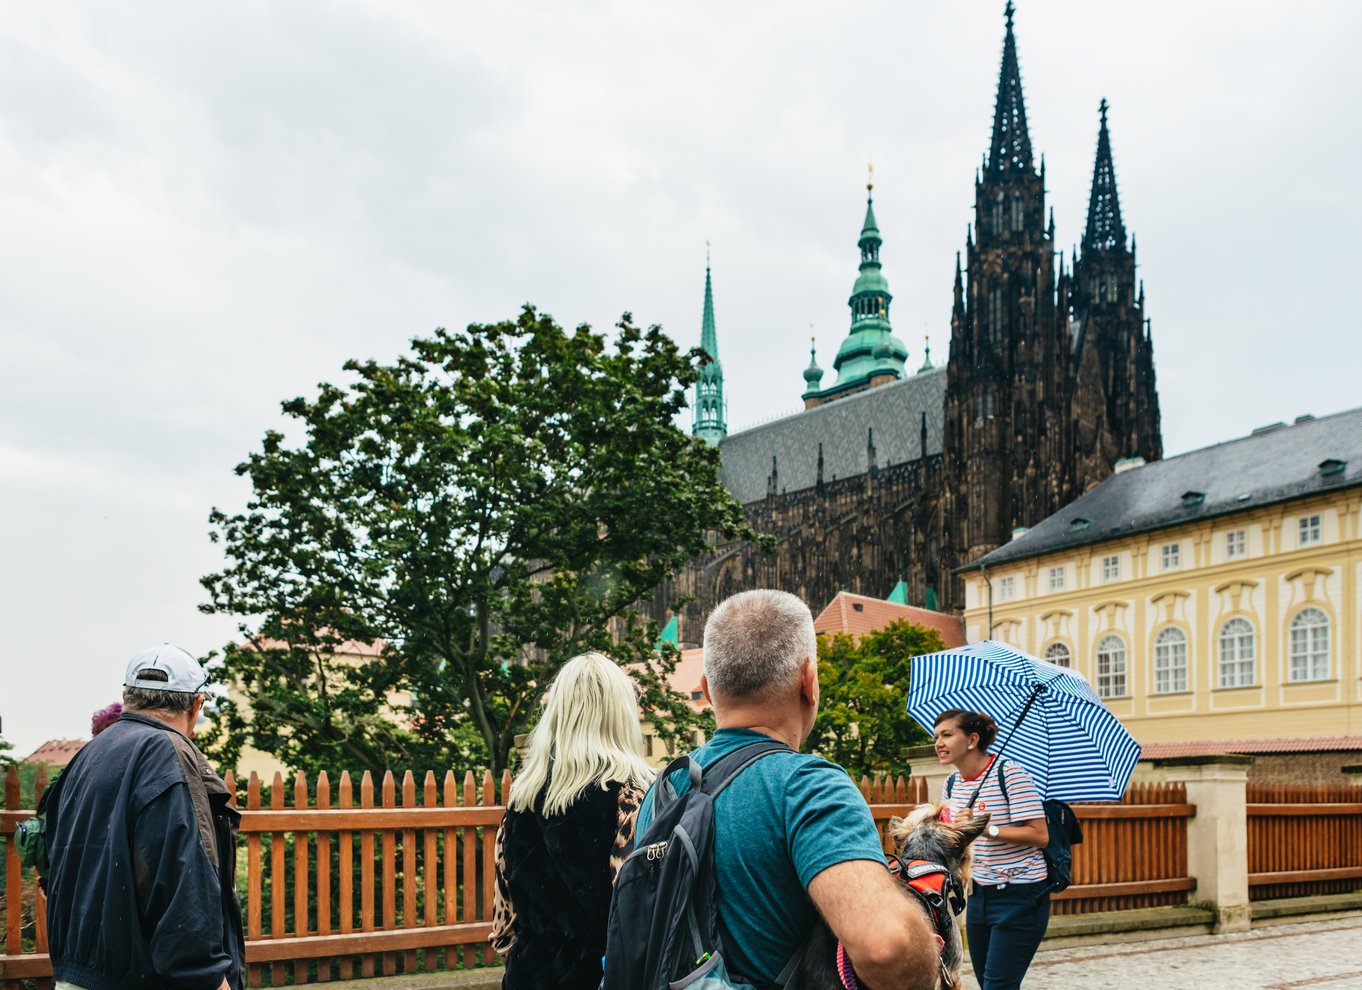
(721,772)
(664,793)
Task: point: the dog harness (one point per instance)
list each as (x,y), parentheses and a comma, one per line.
(940,893)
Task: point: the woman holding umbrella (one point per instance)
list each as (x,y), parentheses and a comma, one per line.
(1009,908)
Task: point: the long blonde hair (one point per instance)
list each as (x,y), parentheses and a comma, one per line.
(587,734)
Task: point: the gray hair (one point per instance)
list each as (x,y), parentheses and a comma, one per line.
(147,699)
(756,642)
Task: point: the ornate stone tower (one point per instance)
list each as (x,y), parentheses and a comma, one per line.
(1116,404)
(711,409)
(870,355)
(1006,424)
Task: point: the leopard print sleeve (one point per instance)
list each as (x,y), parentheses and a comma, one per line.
(630,798)
(503,912)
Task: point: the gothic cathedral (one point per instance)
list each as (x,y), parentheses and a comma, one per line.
(893,475)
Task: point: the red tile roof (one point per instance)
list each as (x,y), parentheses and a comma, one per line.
(1319,744)
(686,677)
(856,615)
(56,752)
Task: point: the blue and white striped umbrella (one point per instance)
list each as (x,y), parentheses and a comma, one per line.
(1074,748)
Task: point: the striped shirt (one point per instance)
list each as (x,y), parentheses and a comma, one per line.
(996,861)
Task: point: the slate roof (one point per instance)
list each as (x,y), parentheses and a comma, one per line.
(1267,467)
(856,615)
(893,411)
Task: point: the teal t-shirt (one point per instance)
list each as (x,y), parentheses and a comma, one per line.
(784,820)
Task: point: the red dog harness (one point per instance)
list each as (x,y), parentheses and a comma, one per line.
(940,893)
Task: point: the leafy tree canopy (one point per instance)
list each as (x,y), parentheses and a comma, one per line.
(490,505)
(862,721)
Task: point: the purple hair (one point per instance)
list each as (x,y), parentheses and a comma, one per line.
(104,718)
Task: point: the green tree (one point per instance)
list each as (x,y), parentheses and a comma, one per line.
(491,504)
(862,721)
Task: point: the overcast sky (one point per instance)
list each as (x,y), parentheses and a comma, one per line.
(205,209)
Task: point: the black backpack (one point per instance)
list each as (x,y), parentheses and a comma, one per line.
(664,923)
(1065,832)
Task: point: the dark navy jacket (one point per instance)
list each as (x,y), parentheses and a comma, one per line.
(141,893)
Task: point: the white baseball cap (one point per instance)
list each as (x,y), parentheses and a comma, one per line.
(165,668)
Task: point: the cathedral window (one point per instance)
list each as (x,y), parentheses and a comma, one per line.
(1172,556)
(1017,213)
(1309,530)
(1310,645)
(1057,579)
(995,314)
(986,408)
(1007,589)
(1236,654)
(1111,667)
(1111,568)
(1170,661)
(1058,654)
(998,215)
(1236,544)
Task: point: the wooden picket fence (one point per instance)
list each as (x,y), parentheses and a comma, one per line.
(1304,840)
(389,876)
(1133,854)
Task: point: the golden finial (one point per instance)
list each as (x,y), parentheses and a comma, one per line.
(869,178)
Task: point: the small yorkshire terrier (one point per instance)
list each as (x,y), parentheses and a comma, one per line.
(932,856)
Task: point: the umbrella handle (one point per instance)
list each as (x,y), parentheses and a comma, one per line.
(1035,693)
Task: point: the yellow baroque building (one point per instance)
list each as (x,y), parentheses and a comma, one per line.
(1208,597)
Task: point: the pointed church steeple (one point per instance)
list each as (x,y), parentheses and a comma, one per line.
(1105,231)
(1010,150)
(871,354)
(711,409)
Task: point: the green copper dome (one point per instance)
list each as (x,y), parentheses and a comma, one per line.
(870,349)
(813,375)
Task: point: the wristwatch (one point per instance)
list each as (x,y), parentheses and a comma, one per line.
(993,831)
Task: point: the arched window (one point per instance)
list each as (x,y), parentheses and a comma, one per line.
(1058,654)
(1111,667)
(1170,661)
(1236,654)
(1310,645)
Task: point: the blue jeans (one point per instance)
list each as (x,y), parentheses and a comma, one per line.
(1005,926)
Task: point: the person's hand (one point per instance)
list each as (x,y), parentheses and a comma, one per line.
(962,816)
(225,985)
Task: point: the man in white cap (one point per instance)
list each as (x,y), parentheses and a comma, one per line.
(142,845)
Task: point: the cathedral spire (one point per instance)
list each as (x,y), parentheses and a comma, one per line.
(1105,230)
(1010,151)
(711,419)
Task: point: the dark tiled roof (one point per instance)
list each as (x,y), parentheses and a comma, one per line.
(894,411)
(1261,469)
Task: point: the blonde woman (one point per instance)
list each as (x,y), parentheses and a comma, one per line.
(568,827)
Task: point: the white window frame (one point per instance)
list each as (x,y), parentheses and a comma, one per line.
(1170,661)
(1057,652)
(1171,554)
(1111,568)
(1308,646)
(1236,544)
(1111,667)
(1007,588)
(1057,578)
(1309,531)
(1237,648)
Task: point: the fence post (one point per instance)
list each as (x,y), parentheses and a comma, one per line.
(928,768)
(1354,774)
(1217,837)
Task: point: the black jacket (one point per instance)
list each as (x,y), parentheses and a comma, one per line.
(141,892)
(558,877)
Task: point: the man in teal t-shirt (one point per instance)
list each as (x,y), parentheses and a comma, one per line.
(793,836)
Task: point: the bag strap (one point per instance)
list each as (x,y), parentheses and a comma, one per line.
(665,793)
(721,772)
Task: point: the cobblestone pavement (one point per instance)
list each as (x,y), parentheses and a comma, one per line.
(1323,954)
